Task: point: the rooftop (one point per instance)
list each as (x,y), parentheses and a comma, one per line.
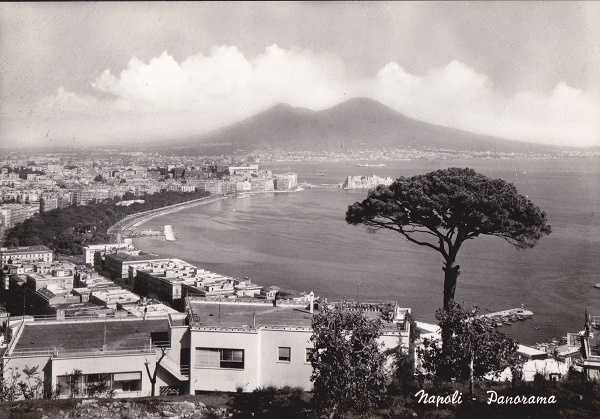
(237,315)
(25,249)
(240,314)
(86,335)
(133,256)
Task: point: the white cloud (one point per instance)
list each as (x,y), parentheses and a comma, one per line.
(165,99)
(459,97)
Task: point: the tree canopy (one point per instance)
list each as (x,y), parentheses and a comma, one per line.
(348,364)
(443,209)
(473,350)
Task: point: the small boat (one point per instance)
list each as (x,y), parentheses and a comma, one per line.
(597,285)
(320,174)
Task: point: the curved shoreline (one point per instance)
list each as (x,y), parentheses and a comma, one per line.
(118,231)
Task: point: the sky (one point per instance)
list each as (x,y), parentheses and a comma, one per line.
(107,73)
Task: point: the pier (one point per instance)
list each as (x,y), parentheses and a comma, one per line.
(507,317)
(169,233)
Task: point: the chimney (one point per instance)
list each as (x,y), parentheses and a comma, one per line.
(311,301)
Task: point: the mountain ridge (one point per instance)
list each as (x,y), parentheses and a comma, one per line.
(358,123)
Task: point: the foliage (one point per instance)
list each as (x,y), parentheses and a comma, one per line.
(9,386)
(68,230)
(33,386)
(100,388)
(74,379)
(443,209)
(348,364)
(472,350)
(267,402)
(15,385)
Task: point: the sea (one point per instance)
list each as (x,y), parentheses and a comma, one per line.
(301,241)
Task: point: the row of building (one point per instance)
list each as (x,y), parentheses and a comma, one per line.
(243,336)
(62,188)
(229,334)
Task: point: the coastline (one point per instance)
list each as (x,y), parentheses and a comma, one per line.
(118,231)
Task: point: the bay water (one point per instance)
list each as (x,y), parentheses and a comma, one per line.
(301,241)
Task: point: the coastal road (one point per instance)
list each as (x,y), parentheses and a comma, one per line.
(118,231)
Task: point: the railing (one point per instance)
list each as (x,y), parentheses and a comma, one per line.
(85,318)
(53,352)
(15,338)
(181,372)
(162,344)
(185,370)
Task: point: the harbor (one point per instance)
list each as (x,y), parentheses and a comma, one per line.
(507,317)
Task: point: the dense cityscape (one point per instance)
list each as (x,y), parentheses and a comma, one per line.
(340,210)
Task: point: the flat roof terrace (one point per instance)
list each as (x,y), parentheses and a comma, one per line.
(239,315)
(86,335)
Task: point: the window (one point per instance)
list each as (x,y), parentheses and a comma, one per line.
(309,353)
(285,354)
(219,358)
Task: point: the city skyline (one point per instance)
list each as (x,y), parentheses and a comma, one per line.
(106,73)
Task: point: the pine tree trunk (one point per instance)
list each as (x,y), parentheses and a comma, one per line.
(471,377)
(451,272)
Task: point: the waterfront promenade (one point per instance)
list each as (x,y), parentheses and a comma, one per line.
(122,229)
(125,228)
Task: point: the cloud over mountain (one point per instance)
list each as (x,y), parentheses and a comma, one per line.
(164,98)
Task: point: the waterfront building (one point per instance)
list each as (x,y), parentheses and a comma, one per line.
(286,181)
(165,279)
(118,265)
(262,184)
(366,182)
(243,186)
(246,170)
(89,252)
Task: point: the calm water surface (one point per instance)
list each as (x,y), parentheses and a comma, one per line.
(301,241)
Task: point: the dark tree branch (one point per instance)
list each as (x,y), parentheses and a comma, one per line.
(452,205)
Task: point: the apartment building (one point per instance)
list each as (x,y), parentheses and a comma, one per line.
(112,350)
(89,252)
(120,264)
(215,345)
(26,254)
(13,214)
(256,344)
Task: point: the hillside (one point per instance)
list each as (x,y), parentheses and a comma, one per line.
(356,123)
